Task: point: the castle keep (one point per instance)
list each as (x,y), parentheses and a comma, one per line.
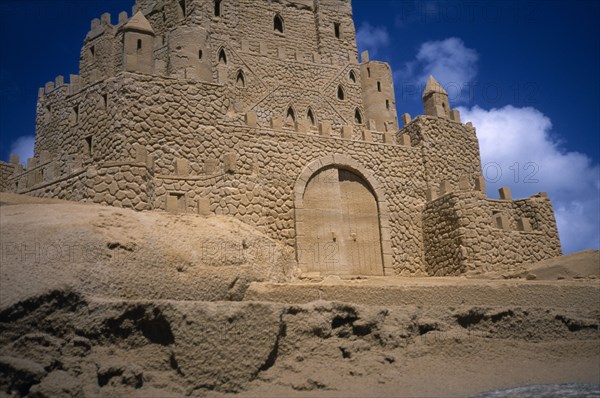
(261,110)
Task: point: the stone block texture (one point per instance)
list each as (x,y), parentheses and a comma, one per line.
(260,109)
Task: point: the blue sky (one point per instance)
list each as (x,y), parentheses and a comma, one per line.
(526,73)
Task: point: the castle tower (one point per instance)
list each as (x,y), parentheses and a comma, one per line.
(138,45)
(336,34)
(378,94)
(435,99)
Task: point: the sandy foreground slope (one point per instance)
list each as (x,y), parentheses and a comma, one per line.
(99,301)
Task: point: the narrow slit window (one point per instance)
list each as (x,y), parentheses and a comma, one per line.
(337,27)
(200,54)
(369,72)
(93,53)
(379,86)
(358,117)
(278,24)
(139,45)
(89,145)
(76,114)
(240,81)
(48,115)
(387,104)
(218,8)
(311,118)
(182,7)
(340,93)
(105,100)
(222,57)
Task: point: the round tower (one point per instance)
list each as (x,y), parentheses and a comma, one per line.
(378,94)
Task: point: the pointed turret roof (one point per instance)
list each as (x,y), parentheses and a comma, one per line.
(433,87)
(139,23)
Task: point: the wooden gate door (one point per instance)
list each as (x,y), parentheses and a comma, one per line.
(341,226)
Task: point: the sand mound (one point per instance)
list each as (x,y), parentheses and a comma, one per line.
(119,253)
(581,265)
(576,266)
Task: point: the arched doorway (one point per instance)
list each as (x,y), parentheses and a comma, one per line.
(339,232)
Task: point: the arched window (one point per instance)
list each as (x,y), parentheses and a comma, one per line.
(358,119)
(352,76)
(310,116)
(278,24)
(218,9)
(222,57)
(290,117)
(240,81)
(340,93)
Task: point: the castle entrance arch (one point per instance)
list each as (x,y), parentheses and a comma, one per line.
(338,224)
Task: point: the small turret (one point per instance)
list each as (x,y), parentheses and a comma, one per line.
(138,51)
(435,99)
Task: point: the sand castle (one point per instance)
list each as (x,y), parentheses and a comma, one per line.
(262,111)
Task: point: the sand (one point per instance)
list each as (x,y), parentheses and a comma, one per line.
(150,308)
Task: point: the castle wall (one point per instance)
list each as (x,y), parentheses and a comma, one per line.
(267,164)
(80,127)
(462,232)
(450,149)
(121,184)
(6,171)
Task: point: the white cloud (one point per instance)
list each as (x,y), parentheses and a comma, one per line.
(450,61)
(517,148)
(372,38)
(23,146)
(518,151)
